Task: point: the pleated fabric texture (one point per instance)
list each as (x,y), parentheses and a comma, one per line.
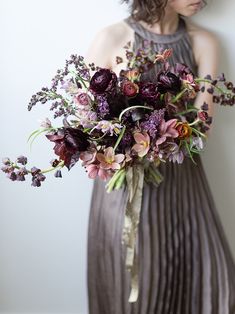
(185,263)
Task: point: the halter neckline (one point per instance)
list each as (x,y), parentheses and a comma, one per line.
(158,38)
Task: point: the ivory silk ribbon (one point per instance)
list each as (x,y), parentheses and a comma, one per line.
(135,181)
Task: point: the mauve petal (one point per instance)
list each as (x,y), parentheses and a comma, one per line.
(119,158)
(138,147)
(163,126)
(100,157)
(109,153)
(160,140)
(143,152)
(105,165)
(139,137)
(172,133)
(115,166)
(171,123)
(92,171)
(103,174)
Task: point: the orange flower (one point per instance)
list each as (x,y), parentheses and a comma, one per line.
(142,143)
(132,75)
(184,130)
(162,57)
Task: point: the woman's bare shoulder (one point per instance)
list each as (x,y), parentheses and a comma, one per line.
(108,43)
(203,40)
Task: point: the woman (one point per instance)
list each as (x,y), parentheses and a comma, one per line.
(185,261)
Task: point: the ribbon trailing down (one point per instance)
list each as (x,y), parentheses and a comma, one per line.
(135,181)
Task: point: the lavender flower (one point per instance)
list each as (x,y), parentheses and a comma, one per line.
(103,106)
(152,122)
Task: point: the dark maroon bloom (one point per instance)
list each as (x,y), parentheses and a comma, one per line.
(104,80)
(129,88)
(168,82)
(182,69)
(148,92)
(54,162)
(69,142)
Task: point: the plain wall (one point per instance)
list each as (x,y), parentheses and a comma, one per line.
(43,231)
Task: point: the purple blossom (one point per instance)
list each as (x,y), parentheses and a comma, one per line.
(22,160)
(152,122)
(6,161)
(171,151)
(58,174)
(103,106)
(20,174)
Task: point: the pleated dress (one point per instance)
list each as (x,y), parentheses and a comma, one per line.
(185,262)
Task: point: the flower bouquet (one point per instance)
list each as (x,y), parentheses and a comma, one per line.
(122,127)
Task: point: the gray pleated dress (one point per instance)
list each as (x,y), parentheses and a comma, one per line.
(185,263)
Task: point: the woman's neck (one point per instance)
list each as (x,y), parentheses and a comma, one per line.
(167,25)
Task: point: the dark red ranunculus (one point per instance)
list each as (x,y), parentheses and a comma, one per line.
(168,82)
(104,80)
(129,88)
(69,142)
(148,92)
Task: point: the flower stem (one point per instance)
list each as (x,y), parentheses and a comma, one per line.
(130,108)
(119,137)
(178,96)
(194,122)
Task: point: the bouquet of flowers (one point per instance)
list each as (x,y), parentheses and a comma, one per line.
(122,127)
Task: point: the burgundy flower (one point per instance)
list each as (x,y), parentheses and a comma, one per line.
(203,115)
(148,91)
(129,88)
(69,142)
(182,69)
(168,82)
(104,80)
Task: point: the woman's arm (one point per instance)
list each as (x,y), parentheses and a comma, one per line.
(206,49)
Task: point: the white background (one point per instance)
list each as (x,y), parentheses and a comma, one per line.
(43,231)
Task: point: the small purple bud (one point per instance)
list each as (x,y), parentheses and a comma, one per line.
(6,161)
(12,176)
(58,174)
(205,106)
(35,171)
(22,160)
